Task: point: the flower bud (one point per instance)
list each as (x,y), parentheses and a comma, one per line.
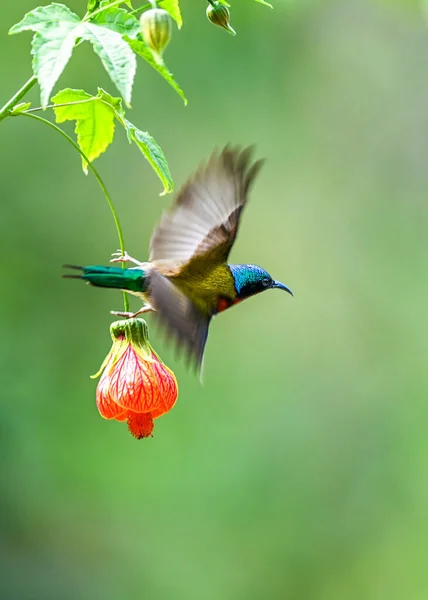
(156,29)
(219,15)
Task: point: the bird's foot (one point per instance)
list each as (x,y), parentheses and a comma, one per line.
(128,315)
(118,313)
(124,257)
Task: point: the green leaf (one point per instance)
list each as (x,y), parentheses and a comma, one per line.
(265,3)
(115,54)
(114,102)
(140,48)
(94,116)
(50,56)
(119,20)
(153,153)
(94,5)
(44,17)
(56,29)
(173,7)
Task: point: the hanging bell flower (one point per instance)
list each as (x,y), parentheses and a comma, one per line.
(219,14)
(135,385)
(156,29)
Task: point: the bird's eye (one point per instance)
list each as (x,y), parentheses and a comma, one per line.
(265,281)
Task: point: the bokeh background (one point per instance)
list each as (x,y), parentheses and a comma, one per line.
(298,470)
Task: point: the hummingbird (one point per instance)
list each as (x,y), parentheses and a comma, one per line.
(187,279)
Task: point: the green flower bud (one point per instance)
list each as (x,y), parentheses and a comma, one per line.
(219,15)
(156,29)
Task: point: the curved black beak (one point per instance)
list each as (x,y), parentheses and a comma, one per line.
(281,286)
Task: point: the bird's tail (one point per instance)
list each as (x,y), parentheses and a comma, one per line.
(134,280)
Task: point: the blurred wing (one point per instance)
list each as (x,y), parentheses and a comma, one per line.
(180,316)
(205,216)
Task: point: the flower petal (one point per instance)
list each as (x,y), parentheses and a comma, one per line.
(122,417)
(118,348)
(168,389)
(107,407)
(134,385)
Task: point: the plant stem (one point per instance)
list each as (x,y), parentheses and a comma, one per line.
(4,112)
(38,108)
(102,186)
(143,7)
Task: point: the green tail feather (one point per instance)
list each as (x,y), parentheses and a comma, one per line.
(133,280)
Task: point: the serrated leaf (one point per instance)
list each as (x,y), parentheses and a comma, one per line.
(55,30)
(173,7)
(118,19)
(51,52)
(114,102)
(140,48)
(265,3)
(44,17)
(94,116)
(153,153)
(115,54)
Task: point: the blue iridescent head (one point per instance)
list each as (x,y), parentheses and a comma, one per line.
(251,279)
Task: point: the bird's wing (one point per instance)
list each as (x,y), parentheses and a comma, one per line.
(205,217)
(181,317)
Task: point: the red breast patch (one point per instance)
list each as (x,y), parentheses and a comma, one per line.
(223,303)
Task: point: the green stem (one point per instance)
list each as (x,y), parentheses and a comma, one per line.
(143,7)
(38,108)
(101,183)
(4,112)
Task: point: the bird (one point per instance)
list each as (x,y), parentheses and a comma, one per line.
(187,280)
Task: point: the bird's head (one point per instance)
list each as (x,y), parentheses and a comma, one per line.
(251,279)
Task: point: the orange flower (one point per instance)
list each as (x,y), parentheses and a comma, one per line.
(135,386)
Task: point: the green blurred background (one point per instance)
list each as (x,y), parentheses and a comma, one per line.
(298,470)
